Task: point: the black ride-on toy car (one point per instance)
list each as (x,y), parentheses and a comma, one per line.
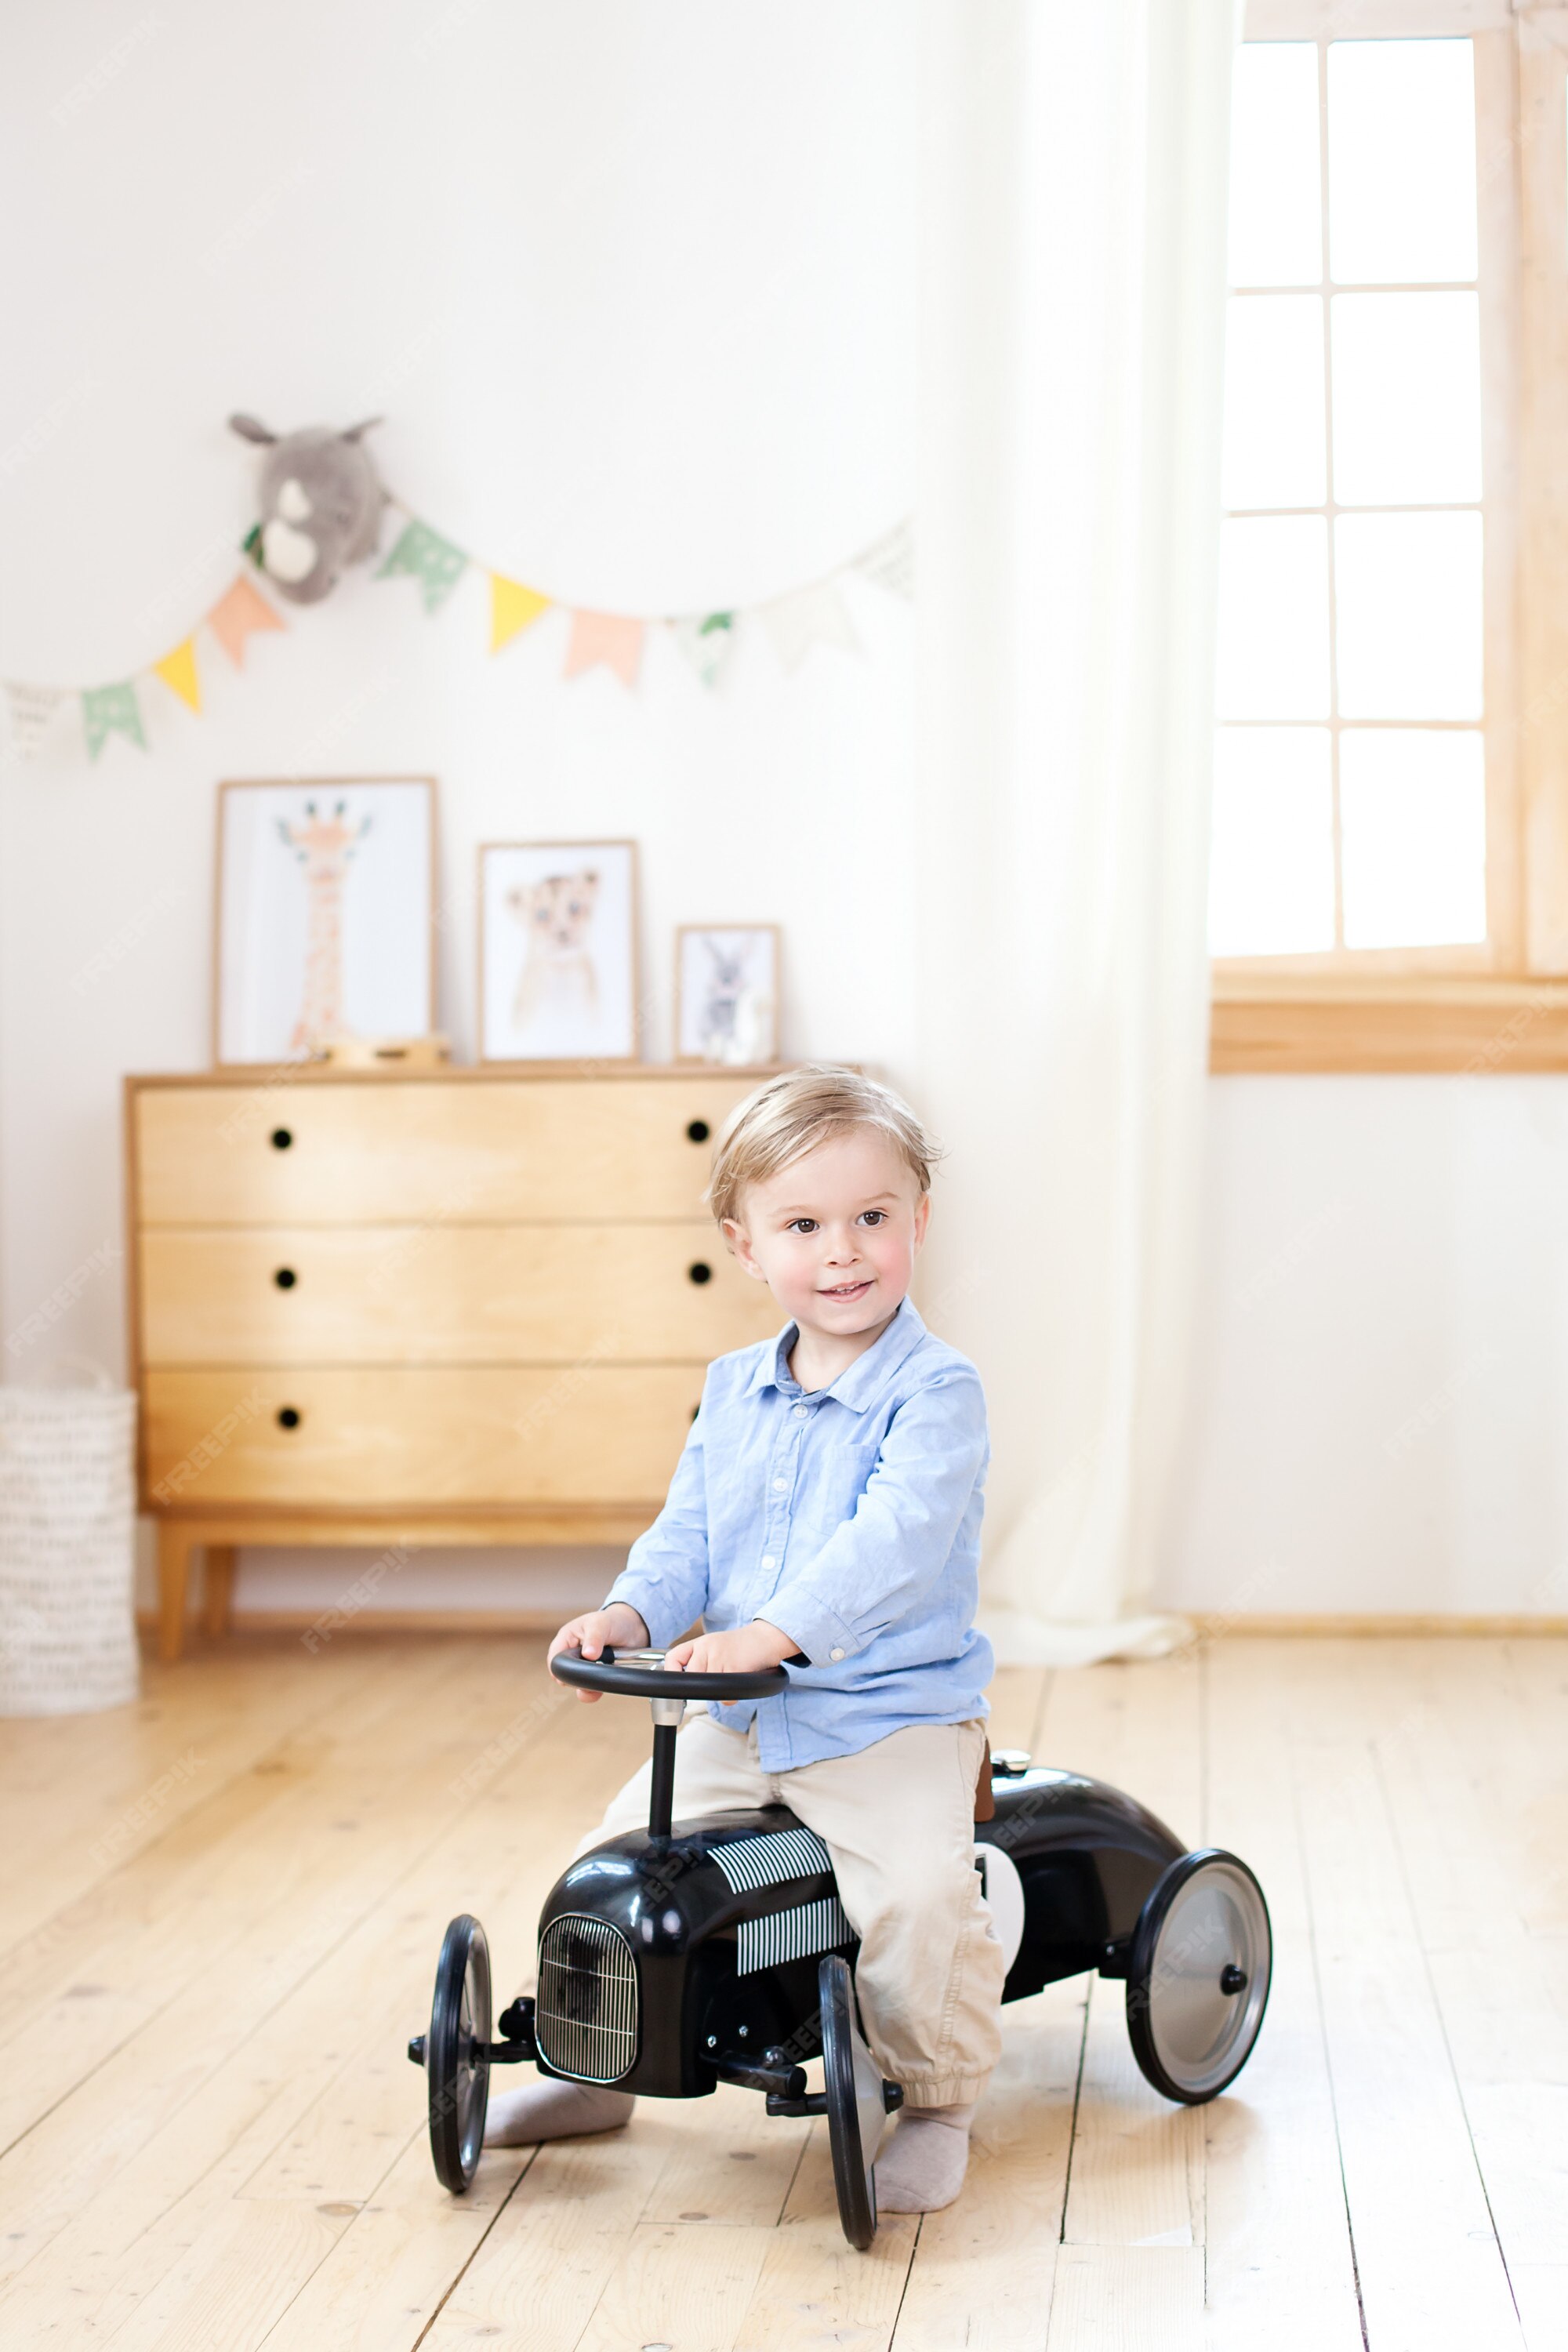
(711,1951)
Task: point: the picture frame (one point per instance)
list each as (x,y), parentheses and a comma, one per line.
(558,952)
(727,993)
(323,915)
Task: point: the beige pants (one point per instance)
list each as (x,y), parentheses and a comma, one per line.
(899,1821)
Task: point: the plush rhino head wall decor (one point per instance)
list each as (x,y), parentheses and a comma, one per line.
(321,505)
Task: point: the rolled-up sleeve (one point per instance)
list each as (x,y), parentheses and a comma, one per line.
(665,1575)
(891,1554)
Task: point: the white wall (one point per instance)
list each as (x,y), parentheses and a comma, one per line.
(633,284)
(1379,1392)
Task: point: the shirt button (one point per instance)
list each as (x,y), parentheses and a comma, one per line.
(779,1486)
(836,1655)
(768,1560)
(800,1412)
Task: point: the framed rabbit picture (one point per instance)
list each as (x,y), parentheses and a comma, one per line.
(727,992)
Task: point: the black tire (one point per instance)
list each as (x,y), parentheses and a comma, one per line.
(456,2053)
(856,2108)
(1203,1956)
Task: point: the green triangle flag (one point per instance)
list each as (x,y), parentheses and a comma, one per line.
(428,558)
(707,640)
(111,711)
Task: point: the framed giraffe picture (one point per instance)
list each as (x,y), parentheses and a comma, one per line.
(325,914)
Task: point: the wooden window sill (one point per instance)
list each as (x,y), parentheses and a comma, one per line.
(1476,1026)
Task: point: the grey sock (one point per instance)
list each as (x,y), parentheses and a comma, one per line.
(553,2110)
(926,2161)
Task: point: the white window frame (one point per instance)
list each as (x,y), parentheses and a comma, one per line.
(1503,1004)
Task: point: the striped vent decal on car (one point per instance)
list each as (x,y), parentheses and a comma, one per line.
(818,1927)
(770,1860)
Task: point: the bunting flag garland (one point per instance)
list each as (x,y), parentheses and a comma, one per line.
(178,671)
(239,614)
(114,709)
(109,710)
(32,711)
(813,616)
(428,558)
(807,617)
(513,608)
(610,638)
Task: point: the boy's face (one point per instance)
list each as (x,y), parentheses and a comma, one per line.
(833,1235)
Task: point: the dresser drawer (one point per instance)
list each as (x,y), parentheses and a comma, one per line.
(411,1150)
(590,1434)
(445,1294)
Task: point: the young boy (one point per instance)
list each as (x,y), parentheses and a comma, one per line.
(828,1502)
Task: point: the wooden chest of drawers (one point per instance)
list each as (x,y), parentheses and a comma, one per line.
(462,1305)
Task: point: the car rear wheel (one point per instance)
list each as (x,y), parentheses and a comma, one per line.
(1198,1983)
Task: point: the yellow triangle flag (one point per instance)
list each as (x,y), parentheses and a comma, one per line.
(513,607)
(178,670)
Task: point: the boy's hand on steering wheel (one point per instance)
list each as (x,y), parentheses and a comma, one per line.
(744,1651)
(618,1627)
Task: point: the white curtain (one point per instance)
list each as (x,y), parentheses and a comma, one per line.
(1074,160)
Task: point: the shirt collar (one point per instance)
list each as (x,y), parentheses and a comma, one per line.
(860,1381)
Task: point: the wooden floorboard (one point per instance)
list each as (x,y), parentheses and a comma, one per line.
(1428,2261)
(1496,1987)
(1281,2268)
(208,1970)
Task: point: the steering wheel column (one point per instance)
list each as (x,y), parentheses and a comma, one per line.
(667,1716)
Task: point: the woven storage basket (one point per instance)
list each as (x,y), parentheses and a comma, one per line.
(68,1633)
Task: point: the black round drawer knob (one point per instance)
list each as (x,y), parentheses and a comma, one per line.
(700,1273)
(288,1416)
(698,1131)
(285,1278)
(282,1137)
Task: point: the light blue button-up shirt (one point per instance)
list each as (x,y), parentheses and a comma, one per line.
(848,1518)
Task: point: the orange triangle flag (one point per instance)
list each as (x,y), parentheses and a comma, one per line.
(239,615)
(178,670)
(512,608)
(611,638)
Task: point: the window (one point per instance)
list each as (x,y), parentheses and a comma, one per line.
(1390,861)
(1354,694)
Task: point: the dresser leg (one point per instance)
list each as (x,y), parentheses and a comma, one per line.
(219,1589)
(173,1575)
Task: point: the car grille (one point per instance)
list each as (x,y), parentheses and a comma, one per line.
(585,2021)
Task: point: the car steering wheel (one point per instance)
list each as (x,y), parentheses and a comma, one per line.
(642,1673)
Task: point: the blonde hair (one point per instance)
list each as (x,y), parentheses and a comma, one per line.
(792,1113)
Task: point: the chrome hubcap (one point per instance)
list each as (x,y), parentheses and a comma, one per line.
(1209,1976)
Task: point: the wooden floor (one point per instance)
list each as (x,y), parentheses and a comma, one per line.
(219,1916)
